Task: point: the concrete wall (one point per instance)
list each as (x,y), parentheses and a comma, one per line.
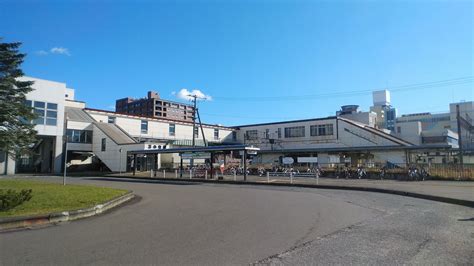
(7,164)
(409,131)
(75,104)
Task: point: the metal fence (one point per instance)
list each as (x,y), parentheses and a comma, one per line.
(393,171)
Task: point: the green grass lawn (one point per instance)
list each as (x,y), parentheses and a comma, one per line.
(52,197)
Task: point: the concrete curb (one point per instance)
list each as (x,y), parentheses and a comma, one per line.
(462,202)
(11,223)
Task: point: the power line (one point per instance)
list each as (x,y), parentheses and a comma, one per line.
(256,117)
(416,86)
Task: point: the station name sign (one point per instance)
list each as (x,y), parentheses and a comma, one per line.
(196,155)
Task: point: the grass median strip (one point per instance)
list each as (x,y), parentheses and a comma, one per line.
(52,197)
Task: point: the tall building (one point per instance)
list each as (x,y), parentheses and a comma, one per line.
(386,114)
(154,106)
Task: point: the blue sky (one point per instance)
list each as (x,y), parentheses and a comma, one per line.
(243,52)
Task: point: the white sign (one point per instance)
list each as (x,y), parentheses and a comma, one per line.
(307,159)
(197,155)
(334,159)
(249,152)
(288,160)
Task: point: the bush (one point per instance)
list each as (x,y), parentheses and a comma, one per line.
(9,199)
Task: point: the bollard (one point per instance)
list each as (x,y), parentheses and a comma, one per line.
(190,174)
(164,173)
(235,176)
(268,177)
(291,177)
(317,179)
(205,174)
(151,173)
(176,173)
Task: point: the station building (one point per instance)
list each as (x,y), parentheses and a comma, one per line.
(93,139)
(98,138)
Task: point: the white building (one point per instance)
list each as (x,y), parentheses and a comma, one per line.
(332,140)
(48,99)
(98,137)
(385,113)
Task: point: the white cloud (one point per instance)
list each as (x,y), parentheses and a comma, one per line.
(41,52)
(184,94)
(54,50)
(60,50)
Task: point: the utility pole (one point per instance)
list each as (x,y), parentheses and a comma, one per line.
(460,150)
(194,118)
(195,97)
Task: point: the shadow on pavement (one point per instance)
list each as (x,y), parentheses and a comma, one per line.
(131,180)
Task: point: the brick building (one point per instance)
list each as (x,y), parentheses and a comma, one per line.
(154,106)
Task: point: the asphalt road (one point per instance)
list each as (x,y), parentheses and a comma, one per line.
(217,224)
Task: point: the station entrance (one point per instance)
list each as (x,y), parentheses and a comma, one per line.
(197,162)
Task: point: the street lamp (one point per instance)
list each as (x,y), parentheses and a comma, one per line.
(65,154)
(120,162)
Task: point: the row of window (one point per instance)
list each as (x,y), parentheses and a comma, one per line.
(46,113)
(79,136)
(171,129)
(295,132)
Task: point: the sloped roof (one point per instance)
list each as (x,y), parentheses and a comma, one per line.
(377,132)
(78,115)
(115,133)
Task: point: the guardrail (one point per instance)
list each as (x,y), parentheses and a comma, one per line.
(292,175)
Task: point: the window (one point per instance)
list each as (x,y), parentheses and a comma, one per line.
(267,133)
(144,127)
(52,106)
(329,129)
(294,132)
(322,130)
(40,112)
(104,141)
(111,120)
(79,136)
(51,117)
(196,132)
(172,129)
(47,113)
(251,134)
(51,114)
(234,135)
(216,133)
(279,133)
(399,130)
(39,105)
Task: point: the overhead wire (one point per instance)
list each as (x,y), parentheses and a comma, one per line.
(416,86)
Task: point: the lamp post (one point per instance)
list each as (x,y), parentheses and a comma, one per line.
(65,154)
(120,161)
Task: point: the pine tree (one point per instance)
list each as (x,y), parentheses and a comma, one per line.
(16,133)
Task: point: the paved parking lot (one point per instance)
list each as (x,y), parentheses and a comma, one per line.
(217,224)
(462,190)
